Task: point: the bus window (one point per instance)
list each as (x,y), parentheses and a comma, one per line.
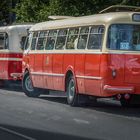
(51,40)
(82,41)
(61,38)
(34,39)
(22,42)
(28,41)
(4,41)
(72,38)
(136,38)
(41,41)
(26,45)
(1,41)
(95,38)
(124,37)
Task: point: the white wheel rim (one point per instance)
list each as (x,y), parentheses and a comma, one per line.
(71,91)
(28,84)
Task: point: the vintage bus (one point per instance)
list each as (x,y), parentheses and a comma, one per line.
(97,56)
(11,52)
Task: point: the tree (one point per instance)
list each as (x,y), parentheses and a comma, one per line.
(39,10)
(131,2)
(5,8)
(27,10)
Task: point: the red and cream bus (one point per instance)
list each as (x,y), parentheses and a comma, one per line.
(97,55)
(11,51)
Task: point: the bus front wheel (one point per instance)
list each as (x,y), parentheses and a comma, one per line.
(27,86)
(72,96)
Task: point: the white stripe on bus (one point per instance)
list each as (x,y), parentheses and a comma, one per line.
(10,59)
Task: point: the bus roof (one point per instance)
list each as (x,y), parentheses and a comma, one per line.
(59,17)
(15,28)
(98,19)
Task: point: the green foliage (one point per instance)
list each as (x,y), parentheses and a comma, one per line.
(39,10)
(4,11)
(131,2)
(27,10)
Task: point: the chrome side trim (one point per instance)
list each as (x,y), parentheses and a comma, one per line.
(61,75)
(89,77)
(47,74)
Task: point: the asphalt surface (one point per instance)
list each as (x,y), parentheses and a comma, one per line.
(50,118)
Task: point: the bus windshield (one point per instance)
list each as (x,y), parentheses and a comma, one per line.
(124,37)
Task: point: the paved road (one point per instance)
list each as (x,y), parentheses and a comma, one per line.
(50,118)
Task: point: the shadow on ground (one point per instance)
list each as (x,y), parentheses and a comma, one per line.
(102,105)
(17,88)
(9,132)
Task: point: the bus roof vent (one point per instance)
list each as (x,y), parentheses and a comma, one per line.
(59,17)
(120,8)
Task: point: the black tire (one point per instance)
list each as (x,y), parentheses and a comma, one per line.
(72,96)
(125,103)
(27,86)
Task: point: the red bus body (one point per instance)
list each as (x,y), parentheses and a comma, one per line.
(11,53)
(101,73)
(92,78)
(11,66)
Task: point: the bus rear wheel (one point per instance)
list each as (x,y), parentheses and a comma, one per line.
(72,96)
(27,86)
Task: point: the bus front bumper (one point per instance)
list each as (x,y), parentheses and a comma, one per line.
(16,76)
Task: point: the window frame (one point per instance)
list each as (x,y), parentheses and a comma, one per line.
(102,39)
(64,46)
(44,37)
(74,47)
(6,38)
(107,42)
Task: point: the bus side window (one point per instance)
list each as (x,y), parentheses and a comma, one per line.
(26,45)
(22,42)
(1,41)
(61,39)
(4,41)
(41,40)
(51,40)
(72,38)
(82,41)
(95,38)
(34,40)
(136,39)
(28,41)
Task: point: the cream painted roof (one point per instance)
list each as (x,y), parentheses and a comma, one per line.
(107,18)
(15,28)
(15,34)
